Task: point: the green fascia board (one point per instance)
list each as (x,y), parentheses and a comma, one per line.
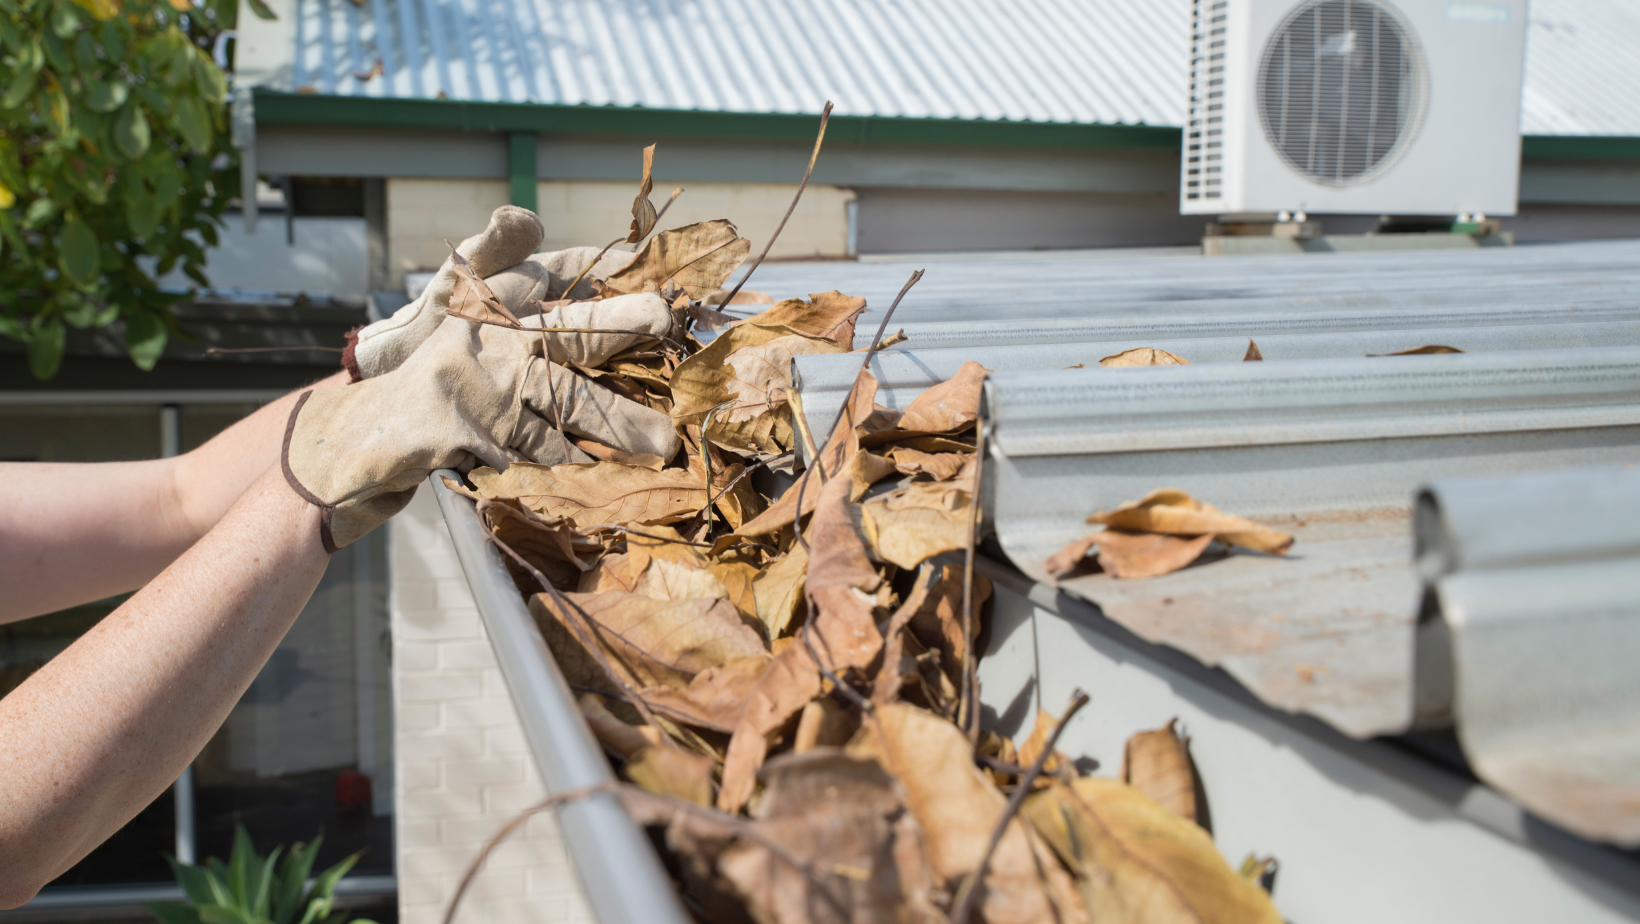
(1579,147)
(315,109)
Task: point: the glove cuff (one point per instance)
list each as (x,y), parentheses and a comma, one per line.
(325,510)
(350,357)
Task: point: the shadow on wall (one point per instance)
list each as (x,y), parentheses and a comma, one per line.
(925,220)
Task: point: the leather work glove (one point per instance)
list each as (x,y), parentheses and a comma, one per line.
(501,254)
(470,394)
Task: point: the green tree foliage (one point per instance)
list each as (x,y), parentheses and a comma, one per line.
(114,165)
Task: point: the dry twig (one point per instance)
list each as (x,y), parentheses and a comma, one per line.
(969,889)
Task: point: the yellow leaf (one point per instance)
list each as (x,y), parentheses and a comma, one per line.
(1137,862)
(108,9)
(7,197)
(958,806)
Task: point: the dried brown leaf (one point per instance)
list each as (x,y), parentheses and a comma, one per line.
(1132,555)
(863,470)
(472,298)
(778,589)
(643,211)
(828,316)
(841,582)
(739,581)
(786,686)
(613,733)
(1428,349)
(1171,511)
(1038,739)
(668,580)
(823,723)
(1157,763)
(917,522)
(949,407)
(1138,863)
(653,642)
(940,466)
(743,297)
(1142,356)
(604,453)
(936,602)
(673,772)
(958,807)
(841,816)
(596,493)
(703,382)
(1252,355)
(696,258)
(762,374)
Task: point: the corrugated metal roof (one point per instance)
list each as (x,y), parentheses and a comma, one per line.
(1067,61)
(1582,68)
(1089,61)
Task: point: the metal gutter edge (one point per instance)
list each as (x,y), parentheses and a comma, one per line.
(620,872)
(1469,799)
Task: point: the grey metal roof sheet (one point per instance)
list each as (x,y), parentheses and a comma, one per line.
(1069,61)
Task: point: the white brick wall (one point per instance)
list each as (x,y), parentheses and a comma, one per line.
(462,767)
(422,214)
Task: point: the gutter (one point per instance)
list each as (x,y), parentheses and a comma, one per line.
(620,873)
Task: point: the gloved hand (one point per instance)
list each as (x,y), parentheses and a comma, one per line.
(501,255)
(470,394)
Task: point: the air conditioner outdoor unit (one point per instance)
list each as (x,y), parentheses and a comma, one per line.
(1354,106)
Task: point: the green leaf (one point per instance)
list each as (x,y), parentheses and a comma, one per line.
(261,9)
(196,885)
(224,914)
(131,131)
(194,123)
(77,251)
(22,84)
(77,310)
(106,97)
(321,895)
(244,852)
(260,884)
(113,40)
(106,316)
(11,327)
(167,188)
(173,913)
(39,210)
(287,896)
(63,20)
(9,36)
(45,349)
(85,52)
(141,212)
(145,340)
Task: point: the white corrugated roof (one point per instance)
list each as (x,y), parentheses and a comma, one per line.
(1114,62)
(1582,68)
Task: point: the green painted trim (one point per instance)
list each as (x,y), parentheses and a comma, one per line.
(1579,147)
(521,169)
(313,109)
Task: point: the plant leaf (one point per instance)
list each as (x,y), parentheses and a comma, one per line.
(173,913)
(762,373)
(697,258)
(1171,511)
(78,251)
(918,522)
(653,642)
(1142,356)
(643,211)
(596,493)
(1157,763)
(131,134)
(825,316)
(1138,862)
(145,338)
(45,349)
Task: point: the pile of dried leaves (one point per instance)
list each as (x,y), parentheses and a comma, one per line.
(783,665)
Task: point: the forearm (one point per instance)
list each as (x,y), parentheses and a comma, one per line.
(103,729)
(71,533)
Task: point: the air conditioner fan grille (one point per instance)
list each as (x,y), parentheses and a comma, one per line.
(1341,89)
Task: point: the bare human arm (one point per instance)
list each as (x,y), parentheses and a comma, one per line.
(71,533)
(106,726)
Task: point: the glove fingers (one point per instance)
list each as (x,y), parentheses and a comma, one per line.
(563,266)
(645,314)
(511,236)
(539,441)
(589,410)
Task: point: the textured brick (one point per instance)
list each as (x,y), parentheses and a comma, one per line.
(505,740)
(417,718)
(465,742)
(458,655)
(440,686)
(441,802)
(485,771)
(488,712)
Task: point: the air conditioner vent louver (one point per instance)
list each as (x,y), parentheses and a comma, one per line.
(1342,89)
(1204,141)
